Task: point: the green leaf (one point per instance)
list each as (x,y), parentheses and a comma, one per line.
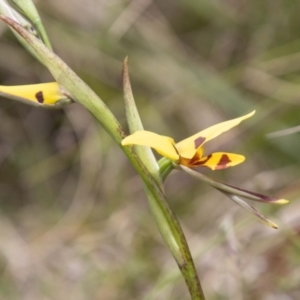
(135,123)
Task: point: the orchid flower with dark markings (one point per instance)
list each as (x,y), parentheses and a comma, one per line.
(48,95)
(189,154)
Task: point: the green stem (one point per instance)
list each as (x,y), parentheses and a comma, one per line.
(165,167)
(160,209)
(164,215)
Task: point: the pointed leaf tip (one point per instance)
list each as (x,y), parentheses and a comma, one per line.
(281,201)
(272,224)
(251,209)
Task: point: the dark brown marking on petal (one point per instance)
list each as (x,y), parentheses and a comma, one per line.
(199,141)
(40,97)
(199,163)
(222,164)
(195,159)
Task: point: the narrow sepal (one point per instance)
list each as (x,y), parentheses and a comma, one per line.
(188,146)
(233,196)
(227,188)
(251,209)
(252,195)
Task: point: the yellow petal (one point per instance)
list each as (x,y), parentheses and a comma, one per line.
(44,93)
(219,160)
(162,144)
(188,147)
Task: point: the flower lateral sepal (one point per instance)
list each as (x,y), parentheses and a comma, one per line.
(234,193)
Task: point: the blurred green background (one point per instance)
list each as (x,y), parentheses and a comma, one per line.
(74,220)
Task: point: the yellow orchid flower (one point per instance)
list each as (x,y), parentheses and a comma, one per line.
(42,94)
(190,151)
(189,154)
